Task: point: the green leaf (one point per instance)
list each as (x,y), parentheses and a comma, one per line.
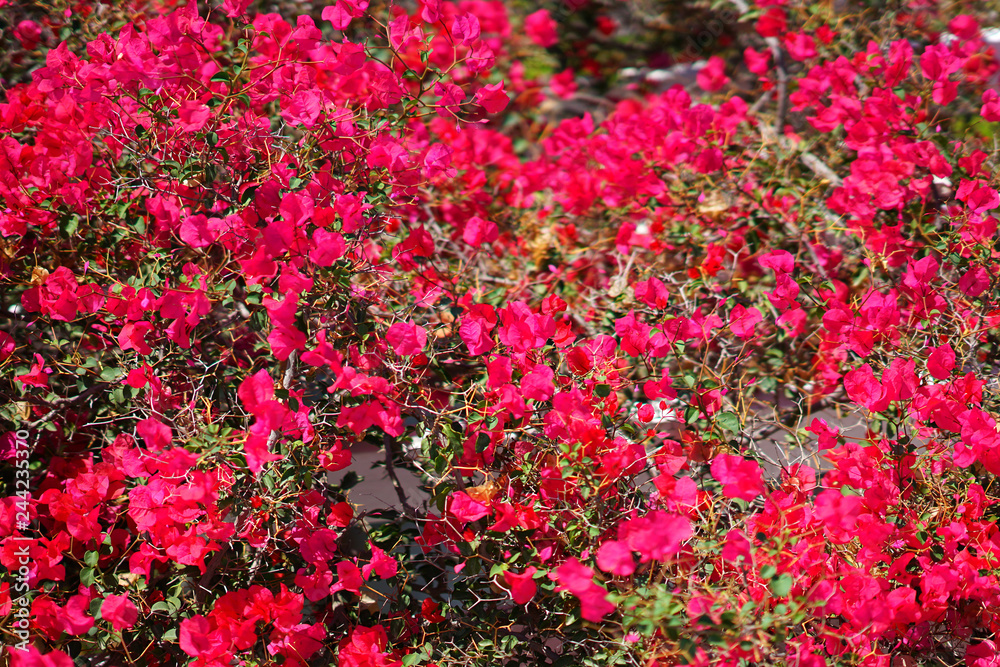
(70,225)
(729,421)
(691,414)
(91,558)
(781,586)
(602,390)
(95,607)
(268,481)
(111,374)
(247,195)
(768,571)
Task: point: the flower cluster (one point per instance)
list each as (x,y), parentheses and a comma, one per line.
(691,375)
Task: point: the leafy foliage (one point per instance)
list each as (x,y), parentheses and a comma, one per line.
(608,322)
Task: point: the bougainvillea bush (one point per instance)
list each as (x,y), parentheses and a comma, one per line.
(689,375)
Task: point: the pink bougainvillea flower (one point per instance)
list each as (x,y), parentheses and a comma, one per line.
(974,282)
(478,231)
(740,478)
(235,8)
(985,653)
(941,362)
(378,412)
(37,376)
(964,26)
(563,84)
(155,434)
(303,108)
(537,385)
(978,196)
(800,46)
(476,328)
(772,23)
(7,346)
(349,578)
(522,586)
(296,209)
(437,162)
(452,97)
(780,261)
(634,334)
(256,390)
(57,297)
(406,338)
(464,508)
(865,389)
(133,337)
(198,636)
(757,62)
(578,579)
(656,536)
(737,545)
(381,563)
(431,611)
(899,380)
(465,28)
(340,515)
(712,76)
(119,611)
(342,12)
(662,388)
(28,33)
(839,514)
(616,558)
(335,459)
(991,106)
(742,321)
(402,34)
(540,28)
(329,247)
(366,647)
(75,617)
(198,231)
(193,116)
(492,97)
(32,657)
(431,11)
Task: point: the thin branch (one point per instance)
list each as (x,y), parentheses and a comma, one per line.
(62,403)
(821,169)
(390,470)
(779,66)
(286,382)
